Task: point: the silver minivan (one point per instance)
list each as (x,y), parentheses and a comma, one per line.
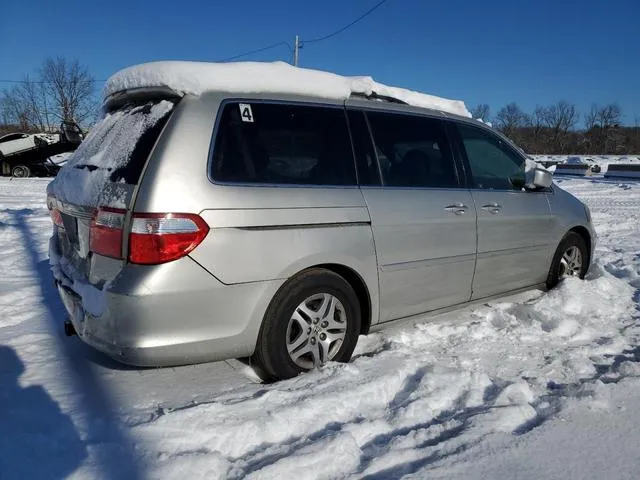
(200,227)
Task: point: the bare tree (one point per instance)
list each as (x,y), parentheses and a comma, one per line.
(560,118)
(510,119)
(24,104)
(609,116)
(71,88)
(603,125)
(538,128)
(62,91)
(481,111)
(591,118)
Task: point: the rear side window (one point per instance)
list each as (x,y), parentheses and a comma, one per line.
(494,165)
(272,143)
(413,151)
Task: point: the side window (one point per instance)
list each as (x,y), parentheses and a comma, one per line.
(283,144)
(493,163)
(413,151)
(368,173)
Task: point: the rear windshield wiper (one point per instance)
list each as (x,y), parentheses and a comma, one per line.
(89,167)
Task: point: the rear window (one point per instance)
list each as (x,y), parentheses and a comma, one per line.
(270,143)
(115,150)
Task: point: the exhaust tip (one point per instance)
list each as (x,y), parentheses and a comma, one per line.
(69,329)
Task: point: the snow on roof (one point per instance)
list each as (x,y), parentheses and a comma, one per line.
(261,77)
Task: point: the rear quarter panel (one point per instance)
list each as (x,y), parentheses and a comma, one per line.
(258,233)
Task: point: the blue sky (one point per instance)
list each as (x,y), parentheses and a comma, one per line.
(492,51)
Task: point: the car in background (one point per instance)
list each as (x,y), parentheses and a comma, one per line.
(27,154)
(17,143)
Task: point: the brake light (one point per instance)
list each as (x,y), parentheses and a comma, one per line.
(105,236)
(155,237)
(54,211)
(163,237)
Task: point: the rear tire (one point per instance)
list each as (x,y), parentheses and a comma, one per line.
(20,171)
(315,317)
(570,260)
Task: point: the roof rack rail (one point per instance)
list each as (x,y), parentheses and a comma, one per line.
(379,98)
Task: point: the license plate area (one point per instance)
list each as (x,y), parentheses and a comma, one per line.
(71,228)
(73,305)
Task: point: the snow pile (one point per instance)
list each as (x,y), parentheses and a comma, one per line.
(423,392)
(257,77)
(107,148)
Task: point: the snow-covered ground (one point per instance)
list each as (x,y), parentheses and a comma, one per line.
(603,161)
(540,385)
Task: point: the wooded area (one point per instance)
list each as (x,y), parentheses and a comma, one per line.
(554,129)
(60,91)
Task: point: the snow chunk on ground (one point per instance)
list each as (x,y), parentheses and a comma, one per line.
(259,77)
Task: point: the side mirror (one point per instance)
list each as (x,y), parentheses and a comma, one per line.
(537,176)
(542,178)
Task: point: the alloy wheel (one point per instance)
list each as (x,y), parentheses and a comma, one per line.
(316,330)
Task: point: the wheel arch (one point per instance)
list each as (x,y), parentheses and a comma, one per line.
(586,235)
(359,286)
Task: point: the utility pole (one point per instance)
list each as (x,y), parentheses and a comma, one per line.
(296,51)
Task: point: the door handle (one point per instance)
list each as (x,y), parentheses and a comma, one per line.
(457,208)
(492,208)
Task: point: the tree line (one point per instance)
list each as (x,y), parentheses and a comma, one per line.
(61,90)
(554,129)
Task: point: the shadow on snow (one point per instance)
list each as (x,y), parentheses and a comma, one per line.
(40,428)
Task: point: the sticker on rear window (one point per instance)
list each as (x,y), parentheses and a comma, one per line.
(245,112)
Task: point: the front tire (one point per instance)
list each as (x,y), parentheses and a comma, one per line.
(570,260)
(314,318)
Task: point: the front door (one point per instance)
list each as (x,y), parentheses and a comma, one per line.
(513,223)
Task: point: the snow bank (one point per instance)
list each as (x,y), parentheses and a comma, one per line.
(257,77)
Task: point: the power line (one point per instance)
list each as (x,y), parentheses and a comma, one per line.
(340,30)
(298,45)
(257,50)
(250,52)
(46,81)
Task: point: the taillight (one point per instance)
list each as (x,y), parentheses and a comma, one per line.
(54,211)
(105,237)
(155,237)
(163,237)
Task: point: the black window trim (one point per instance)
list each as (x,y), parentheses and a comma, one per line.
(216,129)
(445,125)
(369,136)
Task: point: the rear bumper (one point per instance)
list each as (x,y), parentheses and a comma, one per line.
(171,314)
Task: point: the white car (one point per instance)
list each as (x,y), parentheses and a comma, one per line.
(16,143)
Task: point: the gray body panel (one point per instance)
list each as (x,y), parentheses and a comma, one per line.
(412,253)
(513,240)
(426,253)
